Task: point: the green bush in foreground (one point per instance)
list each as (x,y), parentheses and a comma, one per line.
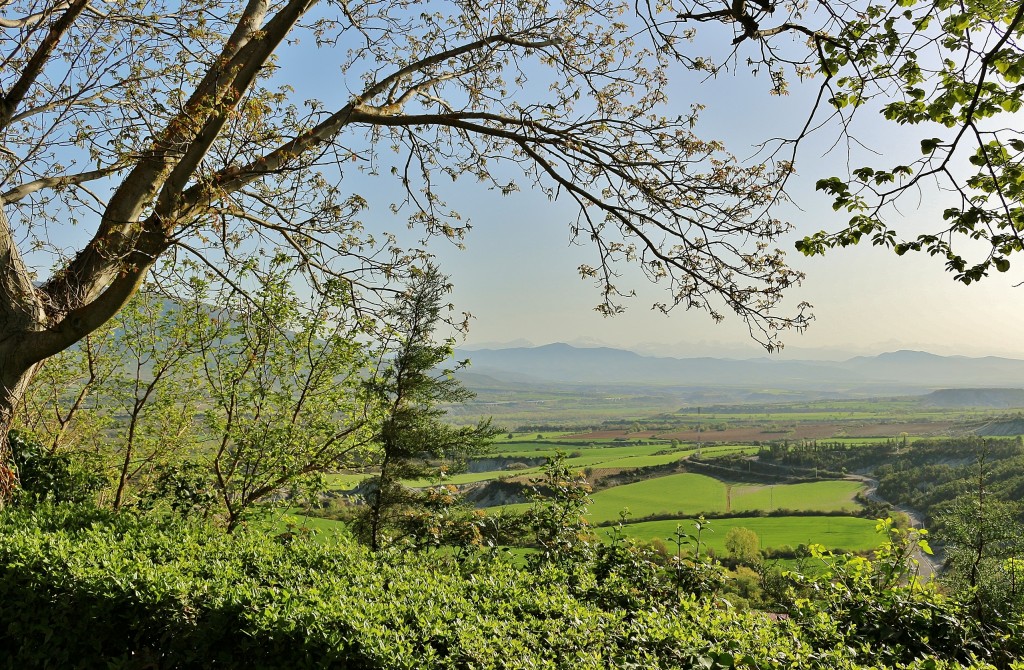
(82,588)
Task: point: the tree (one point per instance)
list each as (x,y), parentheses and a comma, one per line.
(168,129)
(285,401)
(128,394)
(743,545)
(219,401)
(951,71)
(414,441)
(62,408)
(157,388)
(984,541)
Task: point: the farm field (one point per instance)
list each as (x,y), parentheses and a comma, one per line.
(640,462)
(825,496)
(605,455)
(594,458)
(849,533)
(690,494)
(791,430)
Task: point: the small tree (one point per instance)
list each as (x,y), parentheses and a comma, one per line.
(743,545)
(984,541)
(125,399)
(155,389)
(285,389)
(415,442)
(561,499)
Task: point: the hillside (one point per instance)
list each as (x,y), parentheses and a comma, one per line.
(977,397)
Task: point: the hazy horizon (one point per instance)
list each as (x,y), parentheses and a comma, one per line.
(742,351)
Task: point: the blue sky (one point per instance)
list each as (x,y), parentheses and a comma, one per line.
(518,276)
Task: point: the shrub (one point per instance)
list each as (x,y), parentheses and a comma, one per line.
(57,477)
(90,589)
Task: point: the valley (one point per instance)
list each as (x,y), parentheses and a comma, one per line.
(795,472)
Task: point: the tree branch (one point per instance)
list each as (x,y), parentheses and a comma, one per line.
(25,190)
(10,102)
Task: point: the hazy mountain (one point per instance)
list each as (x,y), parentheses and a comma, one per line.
(520,343)
(895,371)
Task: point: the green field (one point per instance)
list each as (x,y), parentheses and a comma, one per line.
(686,495)
(825,496)
(834,532)
(683,495)
(604,455)
(690,494)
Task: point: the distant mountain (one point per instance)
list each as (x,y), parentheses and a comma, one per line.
(900,371)
(933,370)
(520,343)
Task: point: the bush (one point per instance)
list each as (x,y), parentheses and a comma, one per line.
(86,588)
(57,477)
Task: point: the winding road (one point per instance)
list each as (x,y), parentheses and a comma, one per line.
(928,566)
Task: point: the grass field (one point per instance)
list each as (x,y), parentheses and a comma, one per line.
(826,496)
(834,532)
(683,494)
(630,439)
(602,455)
(690,494)
(293,520)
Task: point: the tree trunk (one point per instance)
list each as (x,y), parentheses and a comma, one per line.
(15,378)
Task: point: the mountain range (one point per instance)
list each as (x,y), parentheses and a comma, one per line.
(898,371)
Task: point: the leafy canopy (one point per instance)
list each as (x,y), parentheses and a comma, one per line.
(156,128)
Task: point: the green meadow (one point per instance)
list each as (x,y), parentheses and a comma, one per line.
(689,494)
(824,496)
(685,495)
(833,532)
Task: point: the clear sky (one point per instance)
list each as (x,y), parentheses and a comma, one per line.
(517,277)
(518,274)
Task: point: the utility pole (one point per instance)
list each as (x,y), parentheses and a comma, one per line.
(699,427)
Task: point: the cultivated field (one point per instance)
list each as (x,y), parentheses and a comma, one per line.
(643,463)
(846,533)
(692,494)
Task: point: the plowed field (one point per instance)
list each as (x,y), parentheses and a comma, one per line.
(809,430)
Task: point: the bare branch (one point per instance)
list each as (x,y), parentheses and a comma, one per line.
(25,190)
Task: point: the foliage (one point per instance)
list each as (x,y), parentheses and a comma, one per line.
(94,589)
(743,545)
(185,489)
(880,609)
(211,401)
(439,516)
(284,383)
(155,387)
(558,516)
(930,475)
(63,407)
(173,131)
(125,397)
(414,440)
(984,542)
(953,70)
(50,477)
